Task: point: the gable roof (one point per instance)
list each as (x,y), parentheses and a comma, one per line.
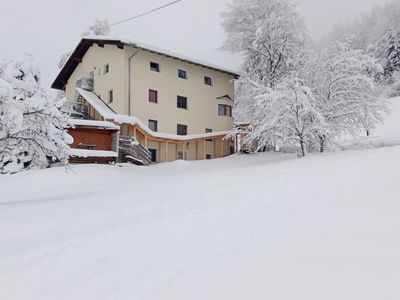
(77,55)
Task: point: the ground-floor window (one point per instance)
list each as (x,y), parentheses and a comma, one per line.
(208,156)
(180,155)
(153,153)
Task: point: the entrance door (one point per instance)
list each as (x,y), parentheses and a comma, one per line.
(153,153)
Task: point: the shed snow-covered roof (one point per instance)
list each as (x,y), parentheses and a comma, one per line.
(92,123)
(76,57)
(108,114)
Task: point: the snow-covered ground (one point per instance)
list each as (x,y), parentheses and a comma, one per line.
(267,226)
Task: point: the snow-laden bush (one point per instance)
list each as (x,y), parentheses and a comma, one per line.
(32,129)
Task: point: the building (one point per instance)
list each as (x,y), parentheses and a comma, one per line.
(176,107)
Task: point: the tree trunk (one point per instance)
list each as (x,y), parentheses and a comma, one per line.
(303,152)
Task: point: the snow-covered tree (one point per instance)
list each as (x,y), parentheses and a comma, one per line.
(31,127)
(271,37)
(268,33)
(99,27)
(285,116)
(393,53)
(343,82)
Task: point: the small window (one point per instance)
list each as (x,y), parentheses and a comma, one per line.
(106,69)
(110,96)
(153,96)
(208,156)
(182,129)
(153,125)
(207,80)
(154,66)
(224,110)
(180,155)
(181,102)
(182,74)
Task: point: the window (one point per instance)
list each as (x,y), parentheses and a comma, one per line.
(208,156)
(110,96)
(106,69)
(153,96)
(180,155)
(181,102)
(181,129)
(207,80)
(182,74)
(224,110)
(154,66)
(153,125)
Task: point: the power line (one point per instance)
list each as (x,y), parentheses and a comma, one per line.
(145,13)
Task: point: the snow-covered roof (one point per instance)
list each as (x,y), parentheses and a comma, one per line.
(108,114)
(92,123)
(91,153)
(76,56)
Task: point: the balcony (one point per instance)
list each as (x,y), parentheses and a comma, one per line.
(85,84)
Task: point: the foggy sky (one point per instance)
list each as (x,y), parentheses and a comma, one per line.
(48,28)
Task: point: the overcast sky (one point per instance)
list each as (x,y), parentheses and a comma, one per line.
(48,28)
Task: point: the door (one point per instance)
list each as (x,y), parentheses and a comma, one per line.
(153,153)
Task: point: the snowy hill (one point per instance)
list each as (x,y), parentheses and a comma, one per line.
(268,226)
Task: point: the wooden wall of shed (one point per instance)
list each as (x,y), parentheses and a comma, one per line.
(99,137)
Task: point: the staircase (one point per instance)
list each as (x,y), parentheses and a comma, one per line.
(130,150)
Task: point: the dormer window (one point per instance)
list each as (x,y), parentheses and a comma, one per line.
(155,67)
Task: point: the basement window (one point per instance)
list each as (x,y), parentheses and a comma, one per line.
(155,67)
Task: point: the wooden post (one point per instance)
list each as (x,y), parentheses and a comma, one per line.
(166,151)
(183,151)
(197,150)
(204,149)
(134,132)
(176,151)
(145,141)
(215,148)
(222,147)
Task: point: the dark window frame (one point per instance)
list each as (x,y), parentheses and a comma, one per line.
(181,102)
(106,69)
(155,123)
(110,95)
(208,80)
(155,93)
(181,129)
(185,76)
(224,110)
(155,66)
